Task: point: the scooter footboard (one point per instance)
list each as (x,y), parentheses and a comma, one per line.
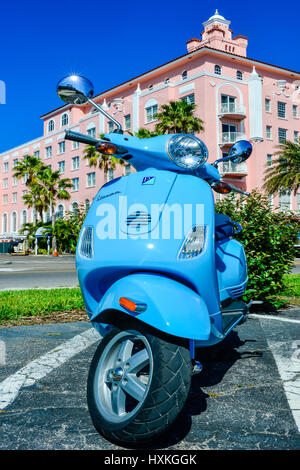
(162,303)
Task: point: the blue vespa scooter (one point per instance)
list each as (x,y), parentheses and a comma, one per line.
(159,271)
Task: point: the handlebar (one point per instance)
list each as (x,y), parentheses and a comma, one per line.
(82,138)
(238,190)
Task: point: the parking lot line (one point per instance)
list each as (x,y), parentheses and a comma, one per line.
(43,365)
(271,317)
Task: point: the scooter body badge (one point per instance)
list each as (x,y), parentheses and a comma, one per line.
(148,180)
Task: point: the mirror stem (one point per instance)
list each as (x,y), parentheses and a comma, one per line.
(119,127)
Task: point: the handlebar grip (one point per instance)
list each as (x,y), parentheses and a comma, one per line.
(238,190)
(82,138)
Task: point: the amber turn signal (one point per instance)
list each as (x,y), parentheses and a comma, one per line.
(222,187)
(126,303)
(107,148)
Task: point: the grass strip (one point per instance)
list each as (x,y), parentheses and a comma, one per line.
(32,302)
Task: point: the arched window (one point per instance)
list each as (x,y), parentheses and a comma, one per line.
(239,75)
(14,222)
(24,216)
(51,125)
(87,204)
(60,211)
(184,75)
(64,120)
(4,223)
(75,207)
(217,69)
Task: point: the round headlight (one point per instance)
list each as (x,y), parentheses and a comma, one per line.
(187,151)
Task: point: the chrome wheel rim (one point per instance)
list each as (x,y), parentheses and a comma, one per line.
(123,376)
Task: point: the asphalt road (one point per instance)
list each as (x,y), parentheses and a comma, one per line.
(27,272)
(246,397)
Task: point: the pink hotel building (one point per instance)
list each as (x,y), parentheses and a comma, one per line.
(237,98)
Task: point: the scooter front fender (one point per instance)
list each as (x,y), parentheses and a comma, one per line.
(170,306)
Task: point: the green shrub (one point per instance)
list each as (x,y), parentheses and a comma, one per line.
(268,238)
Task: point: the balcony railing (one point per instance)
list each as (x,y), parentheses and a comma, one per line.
(229,138)
(236,169)
(234,110)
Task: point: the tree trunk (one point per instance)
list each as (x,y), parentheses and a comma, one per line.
(52,208)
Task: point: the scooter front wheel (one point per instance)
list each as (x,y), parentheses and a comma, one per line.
(137,384)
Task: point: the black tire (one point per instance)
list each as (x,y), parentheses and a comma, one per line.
(167,388)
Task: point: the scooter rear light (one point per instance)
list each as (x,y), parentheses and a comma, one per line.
(194,243)
(85,246)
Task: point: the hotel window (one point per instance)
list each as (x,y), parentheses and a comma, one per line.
(4,223)
(75,145)
(92,132)
(24,217)
(296,136)
(267,105)
(269,132)
(151,112)
(61,147)
(284,201)
(37,154)
(281,135)
(5,198)
(269,160)
(75,207)
(189,99)
(48,152)
(110,126)
(15,181)
(14,197)
(127,121)
(61,166)
(91,179)
(110,174)
(239,75)
(217,70)
(281,109)
(87,204)
(60,211)
(5,183)
(14,222)
(25,178)
(295,111)
(184,75)
(75,183)
(75,163)
(51,126)
(227,103)
(64,120)
(5,167)
(15,161)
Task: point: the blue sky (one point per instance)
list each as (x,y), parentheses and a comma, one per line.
(111,42)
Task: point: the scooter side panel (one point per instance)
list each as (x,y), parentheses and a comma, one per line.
(171,307)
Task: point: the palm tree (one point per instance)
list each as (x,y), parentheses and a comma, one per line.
(53,188)
(29,168)
(284,174)
(177,117)
(143,133)
(104,162)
